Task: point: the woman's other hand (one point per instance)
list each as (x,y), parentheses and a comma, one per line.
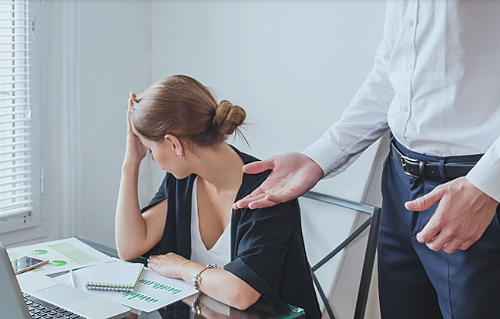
(169,265)
(233,292)
(135,151)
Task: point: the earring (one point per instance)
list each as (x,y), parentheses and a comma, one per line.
(179,154)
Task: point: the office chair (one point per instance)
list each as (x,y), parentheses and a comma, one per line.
(370,251)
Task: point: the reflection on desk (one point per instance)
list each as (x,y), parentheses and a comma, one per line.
(202,306)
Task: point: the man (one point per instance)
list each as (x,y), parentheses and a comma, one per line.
(436,85)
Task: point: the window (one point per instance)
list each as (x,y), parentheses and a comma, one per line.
(15,123)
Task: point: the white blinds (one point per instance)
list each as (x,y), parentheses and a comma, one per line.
(15,135)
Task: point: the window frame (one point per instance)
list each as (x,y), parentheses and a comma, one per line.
(30,225)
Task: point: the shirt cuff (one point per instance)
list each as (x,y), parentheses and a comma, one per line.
(327,156)
(486,174)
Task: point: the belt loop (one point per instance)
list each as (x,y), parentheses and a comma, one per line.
(421,166)
(441,168)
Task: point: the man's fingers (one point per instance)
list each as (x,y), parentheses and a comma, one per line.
(243,203)
(258,192)
(457,243)
(466,244)
(426,201)
(449,244)
(280,198)
(441,241)
(431,230)
(261,200)
(258,167)
(261,203)
(450,247)
(437,236)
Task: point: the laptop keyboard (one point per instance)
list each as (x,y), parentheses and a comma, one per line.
(39,309)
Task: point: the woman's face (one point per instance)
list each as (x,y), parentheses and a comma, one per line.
(165,155)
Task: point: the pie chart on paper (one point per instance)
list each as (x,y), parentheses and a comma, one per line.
(39,252)
(58,263)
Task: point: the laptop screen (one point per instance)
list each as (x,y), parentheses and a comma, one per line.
(11,299)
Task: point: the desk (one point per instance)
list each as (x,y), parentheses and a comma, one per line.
(205,306)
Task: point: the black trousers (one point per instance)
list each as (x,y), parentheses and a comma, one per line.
(416,282)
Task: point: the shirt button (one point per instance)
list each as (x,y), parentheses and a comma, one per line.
(409,66)
(405,108)
(411,24)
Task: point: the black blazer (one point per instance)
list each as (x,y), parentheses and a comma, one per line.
(267,247)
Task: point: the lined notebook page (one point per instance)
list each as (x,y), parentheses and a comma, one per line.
(115,276)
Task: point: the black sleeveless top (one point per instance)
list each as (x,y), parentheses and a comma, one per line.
(267,247)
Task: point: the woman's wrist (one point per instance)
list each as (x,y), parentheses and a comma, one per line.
(131,167)
(189,269)
(197,278)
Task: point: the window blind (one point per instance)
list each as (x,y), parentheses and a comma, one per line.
(15,130)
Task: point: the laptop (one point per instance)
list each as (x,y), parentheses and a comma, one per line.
(23,293)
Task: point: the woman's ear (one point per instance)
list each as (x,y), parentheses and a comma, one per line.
(175,144)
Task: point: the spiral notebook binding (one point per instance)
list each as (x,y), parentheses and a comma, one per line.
(102,286)
(114,276)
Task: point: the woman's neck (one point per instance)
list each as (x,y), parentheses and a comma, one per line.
(219,167)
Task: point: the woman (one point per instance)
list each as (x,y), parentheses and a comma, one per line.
(190,223)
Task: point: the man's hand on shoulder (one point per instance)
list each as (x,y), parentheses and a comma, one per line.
(292,175)
(461,218)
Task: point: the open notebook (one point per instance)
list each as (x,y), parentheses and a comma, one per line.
(121,276)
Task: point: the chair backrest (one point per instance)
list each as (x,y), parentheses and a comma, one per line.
(370,251)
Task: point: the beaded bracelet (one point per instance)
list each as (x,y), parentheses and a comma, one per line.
(197,278)
(195,308)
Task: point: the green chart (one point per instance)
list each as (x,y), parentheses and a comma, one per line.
(77,255)
(57,263)
(159,286)
(39,252)
(135,295)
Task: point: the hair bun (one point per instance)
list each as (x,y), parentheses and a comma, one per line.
(228,117)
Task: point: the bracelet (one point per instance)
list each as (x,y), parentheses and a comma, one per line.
(197,278)
(195,308)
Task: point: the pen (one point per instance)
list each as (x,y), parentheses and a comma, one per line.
(72,277)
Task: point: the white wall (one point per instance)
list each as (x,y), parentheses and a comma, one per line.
(114,59)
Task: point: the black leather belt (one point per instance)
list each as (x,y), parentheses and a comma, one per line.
(430,170)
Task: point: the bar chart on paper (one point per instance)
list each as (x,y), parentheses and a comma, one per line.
(141,297)
(152,291)
(160,286)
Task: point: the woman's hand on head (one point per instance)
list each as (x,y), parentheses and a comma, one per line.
(168,265)
(135,151)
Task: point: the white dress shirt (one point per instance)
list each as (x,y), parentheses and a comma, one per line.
(435,83)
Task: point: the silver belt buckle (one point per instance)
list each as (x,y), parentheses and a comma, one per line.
(410,160)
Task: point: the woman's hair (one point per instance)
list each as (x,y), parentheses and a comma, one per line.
(184,107)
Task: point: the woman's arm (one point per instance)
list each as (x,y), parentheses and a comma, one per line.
(135,233)
(219,284)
